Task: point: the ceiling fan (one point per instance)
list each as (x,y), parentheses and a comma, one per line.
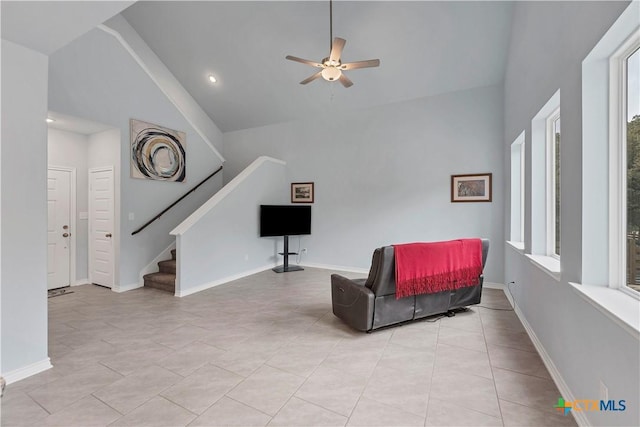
(332,67)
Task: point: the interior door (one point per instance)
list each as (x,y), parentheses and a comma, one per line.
(101,226)
(58,228)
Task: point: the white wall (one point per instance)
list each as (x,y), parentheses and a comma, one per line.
(220,241)
(382,175)
(24,211)
(549,42)
(96,78)
(70,149)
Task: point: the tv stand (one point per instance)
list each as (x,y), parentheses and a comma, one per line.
(285,268)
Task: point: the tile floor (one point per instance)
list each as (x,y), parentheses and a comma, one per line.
(266,350)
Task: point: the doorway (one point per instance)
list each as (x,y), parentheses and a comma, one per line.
(61,244)
(101,226)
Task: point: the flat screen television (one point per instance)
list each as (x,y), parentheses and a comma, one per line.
(284,220)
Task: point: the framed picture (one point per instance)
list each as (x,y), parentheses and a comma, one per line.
(302,192)
(157,152)
(471,188)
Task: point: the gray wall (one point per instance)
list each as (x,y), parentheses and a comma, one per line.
(382,175)
(70,149)
(549,42)
(24,208)
(225,242)
(95,78)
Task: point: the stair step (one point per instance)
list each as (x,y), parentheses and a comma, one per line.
(163,281)
(168,266)
(173,254)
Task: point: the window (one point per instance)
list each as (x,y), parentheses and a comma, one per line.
(517,190)
(545,186)
(553,184)
(630,121)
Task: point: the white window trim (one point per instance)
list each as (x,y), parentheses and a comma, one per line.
(550,217)
(617,165)
(539,253)
(517,224)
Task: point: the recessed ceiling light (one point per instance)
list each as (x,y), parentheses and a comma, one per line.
(50,120)
(212,78)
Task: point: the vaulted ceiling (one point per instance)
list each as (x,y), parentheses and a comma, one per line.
(425,48)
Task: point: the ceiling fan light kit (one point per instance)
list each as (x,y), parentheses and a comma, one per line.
(332,66)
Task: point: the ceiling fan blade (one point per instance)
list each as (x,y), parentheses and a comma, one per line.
(360,64)
(336,49)
(345,81)
(303,61)
(311,78)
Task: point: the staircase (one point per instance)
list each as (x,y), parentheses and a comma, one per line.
(165,279)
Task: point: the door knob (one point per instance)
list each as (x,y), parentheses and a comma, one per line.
(65,227)
(65,234)
(107,235)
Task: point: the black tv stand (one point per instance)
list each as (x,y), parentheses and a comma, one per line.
(285,268)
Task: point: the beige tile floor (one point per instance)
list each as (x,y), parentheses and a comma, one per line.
(266,350)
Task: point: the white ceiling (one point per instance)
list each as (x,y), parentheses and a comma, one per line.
(46,26)
(425,48)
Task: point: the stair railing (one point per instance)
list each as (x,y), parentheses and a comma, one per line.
(176,202)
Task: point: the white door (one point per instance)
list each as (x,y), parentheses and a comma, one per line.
(58,228)
(101,226)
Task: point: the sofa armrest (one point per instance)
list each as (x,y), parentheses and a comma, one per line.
(352,302)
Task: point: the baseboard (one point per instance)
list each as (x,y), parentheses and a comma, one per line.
(493,285)
(152,267)
(336,267)
(125,288)
(565,391)
(80,282)
(224,280)
(27,371)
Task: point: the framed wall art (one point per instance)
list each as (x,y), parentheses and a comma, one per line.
(157,153)
(471,188)
(302,192)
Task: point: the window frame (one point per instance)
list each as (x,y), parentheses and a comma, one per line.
(618,164)
(550,152)
(516,232)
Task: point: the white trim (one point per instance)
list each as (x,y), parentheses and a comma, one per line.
(540,205)
(80,282)
(623,309)
(550,168)
(124,288)
(27,371)
(563,388)
(116,232)
(516,214)
(152,267)
(336,267)
(220,195)
(618,160)
(549,265)
(72,219)
(205,286)
(144,67)
(516,246)
(493,285)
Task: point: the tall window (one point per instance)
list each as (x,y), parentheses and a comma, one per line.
(553,184)
(631,135)
(517,189)
(545,183)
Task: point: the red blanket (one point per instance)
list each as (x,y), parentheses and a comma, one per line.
(424,268)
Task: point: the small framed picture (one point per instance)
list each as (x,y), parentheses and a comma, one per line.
(471,188)
(302,192)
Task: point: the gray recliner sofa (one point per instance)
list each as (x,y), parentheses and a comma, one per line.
(368,304)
